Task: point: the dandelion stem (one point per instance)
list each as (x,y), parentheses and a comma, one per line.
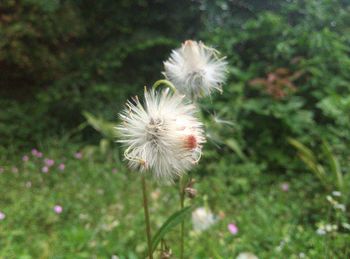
(182,201)
(148,227)
(164,82)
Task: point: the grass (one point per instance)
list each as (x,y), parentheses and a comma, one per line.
(103,215)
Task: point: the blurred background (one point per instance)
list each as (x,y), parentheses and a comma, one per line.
(277,160)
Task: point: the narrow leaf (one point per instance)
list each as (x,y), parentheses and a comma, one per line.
(305,151)
(231,143)
(334,164)
(169,224)
(106,128)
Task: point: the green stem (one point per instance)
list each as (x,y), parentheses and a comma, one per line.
(148,226)
(164,82)
(182,201)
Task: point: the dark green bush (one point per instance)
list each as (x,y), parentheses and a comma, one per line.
(290,76)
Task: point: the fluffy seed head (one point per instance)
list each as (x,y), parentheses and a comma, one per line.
(195,69)
(162,136)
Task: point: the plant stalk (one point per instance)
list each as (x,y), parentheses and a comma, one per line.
(148,226)
(182,230)
(165,83)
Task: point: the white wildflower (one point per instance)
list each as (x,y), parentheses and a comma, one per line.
(327,228)
(195,69)
(202,219)
(163,136)
(321,231)
(246,255)
(336,193)
(346,225)
(340,207)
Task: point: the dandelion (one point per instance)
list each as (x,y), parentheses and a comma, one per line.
(78,155)
(163,136)
(2,216)
(25,158)
(195,69)
(61,166)
(232,228)
(45,169)
(58,209)
(202,219)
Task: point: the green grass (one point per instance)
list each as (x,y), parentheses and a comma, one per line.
(103,215)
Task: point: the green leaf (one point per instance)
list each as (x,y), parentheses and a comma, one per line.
(169,224)
(302,149)
(334,164)
(231,143)
(106,128)
(104,146)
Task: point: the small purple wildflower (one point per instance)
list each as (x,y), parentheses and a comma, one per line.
(49,162)
(36,153)
(232,228)
(25,158)
(78,155)
(285,187)
(58,209)
(62,166)
(2,215)
(45,169)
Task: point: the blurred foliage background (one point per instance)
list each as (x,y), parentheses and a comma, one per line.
(289,75)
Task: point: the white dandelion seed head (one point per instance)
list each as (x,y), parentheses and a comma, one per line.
(195,69)
(162,136)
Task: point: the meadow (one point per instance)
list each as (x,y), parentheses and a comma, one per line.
(101,212)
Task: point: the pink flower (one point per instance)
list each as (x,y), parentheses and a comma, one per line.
(2,215)
(114,170)
(14,170)
(25,158)
(36,153)
(232,228)
(285,187)
(45,169)
(49,162)
(1,170)
(61,166)
(58,209)
(78,155)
